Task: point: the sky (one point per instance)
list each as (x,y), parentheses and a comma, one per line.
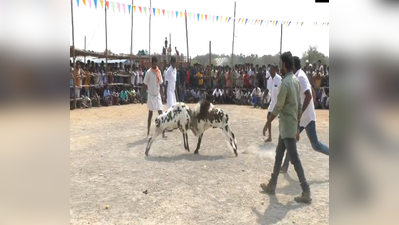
(249,39)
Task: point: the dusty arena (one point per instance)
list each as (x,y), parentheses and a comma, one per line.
(108,167)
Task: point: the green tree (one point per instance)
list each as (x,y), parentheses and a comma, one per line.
(313,56)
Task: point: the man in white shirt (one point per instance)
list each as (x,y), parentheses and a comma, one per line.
(238,96)
(153,82)
(255,95)
(273,86)
(217,95)
(170,79)
(133,77)
(107,96)
(308,118)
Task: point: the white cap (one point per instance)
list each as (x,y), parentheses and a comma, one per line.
(307,61)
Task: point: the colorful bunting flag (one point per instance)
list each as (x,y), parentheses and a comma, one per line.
(124,8)
(153,11)
(107,4)
(185,15)
(181,14)
(84,2)
(189,16)
(246,20)
(289,23)
(198,15)
(172,13)
(301,23)
(328,23)
(163,12)
(119,6)
(113,6)
(90,3)
(213,18)
(261,22)
(217,17)
(239,20)
(276,23)
(159,12)
(140,9)
(102,4)
(134,8)
(206,17)
(177,13)
(229,19)
(77,1)
(145,10)
(95,3)
(129,6)
(221,18)
(202,16)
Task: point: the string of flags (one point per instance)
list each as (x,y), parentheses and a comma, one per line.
(128,9)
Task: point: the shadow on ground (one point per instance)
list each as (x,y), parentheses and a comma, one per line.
(136,143)
(189,157)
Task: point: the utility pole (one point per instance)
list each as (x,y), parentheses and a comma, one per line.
(185,14)
(73,48)
(234,29)
(131,40)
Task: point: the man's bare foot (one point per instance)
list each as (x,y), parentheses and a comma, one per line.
(164,137)
(269,139)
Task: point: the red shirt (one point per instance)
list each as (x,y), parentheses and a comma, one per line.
(188,77)
(246,81)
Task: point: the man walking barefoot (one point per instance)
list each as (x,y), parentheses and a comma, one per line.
(153,82)
(288,106)
(170,79)
(272,86)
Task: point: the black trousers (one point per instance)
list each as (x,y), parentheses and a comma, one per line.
(290,145)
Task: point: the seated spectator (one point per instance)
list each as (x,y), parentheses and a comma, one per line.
(194,95)
(123,98)
(203,95)
(266,97)
(115,97)
(255,95)
(229,96)
(132,95)
(95,99)
(238,99)
(217,95)
(107,97)
(189,96)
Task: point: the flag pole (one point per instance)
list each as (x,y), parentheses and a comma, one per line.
(131,39)
(106,42)
(185,11)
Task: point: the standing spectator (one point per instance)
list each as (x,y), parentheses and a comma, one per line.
(318,75)
(223,78)
(208,78)
(200,80)
(228,78)
(166,42)
(170,80)
(246,79)
(273,86)
(107,98)
(133,76)
(239,94)
(177,53)
(78,80)
(289,108)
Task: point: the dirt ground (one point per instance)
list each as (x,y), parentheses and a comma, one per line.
(108,167)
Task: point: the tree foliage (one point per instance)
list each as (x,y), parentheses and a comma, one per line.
(313,56)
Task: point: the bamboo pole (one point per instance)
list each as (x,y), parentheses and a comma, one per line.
(85,49)
(74,57)
(281,42)
(234,29)
(106,43)
(149,42)
(185,11)
(131,40)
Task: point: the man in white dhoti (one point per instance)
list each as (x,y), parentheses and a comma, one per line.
(153,82)
(170,79)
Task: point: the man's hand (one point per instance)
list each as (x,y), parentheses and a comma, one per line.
(267,124)
(297,136)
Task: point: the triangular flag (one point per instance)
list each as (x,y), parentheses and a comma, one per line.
(95,3)
(177,13)
(124,8)
(163,12)
(129,6)
(252,21)
(198,16)
(172,13)
(261,22)
(221,18)
(189,15)
(256,21)
(276,23)
(159,12)
(168,13)
(289,23)
(328,23)
(77,1)
(119,6)
(246,20)
(113,6)
(134,8)
(301,23)
(217,17)
(229,19)
(213,18)
(185,15)
(181,14)
(107,4)
(153,11)
(239,20)
(145,10)
(84,2)
(140,9)
(90,3)
(202,16)
(206,17)
(102,4)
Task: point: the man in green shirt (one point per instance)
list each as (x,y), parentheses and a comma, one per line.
(124,99)
(289,108)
